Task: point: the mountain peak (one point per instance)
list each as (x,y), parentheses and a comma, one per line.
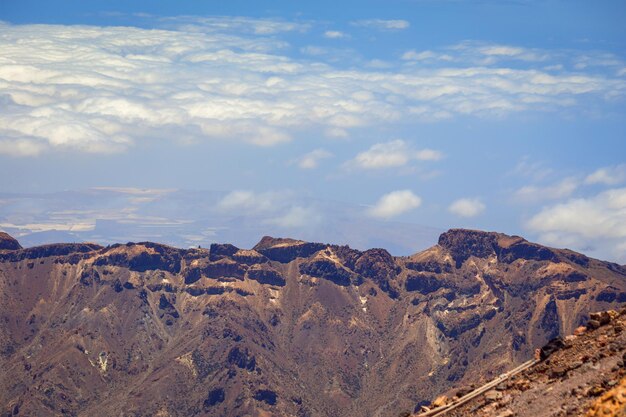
(464,243)
(267,242)
(7,242)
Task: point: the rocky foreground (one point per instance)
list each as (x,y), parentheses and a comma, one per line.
(583,374)
(287,328)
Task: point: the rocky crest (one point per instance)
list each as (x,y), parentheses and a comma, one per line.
(8,243)
(285,328)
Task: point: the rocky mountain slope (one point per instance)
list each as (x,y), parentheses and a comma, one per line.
(584,376)
(287,328)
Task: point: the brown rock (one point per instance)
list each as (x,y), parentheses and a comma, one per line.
(440,401)
(603,317)
(595,391)
(558,372)
(593,324)
(580,330)
(492,396)
(506,413)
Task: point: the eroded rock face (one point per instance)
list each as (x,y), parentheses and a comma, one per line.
(266,276)
(287,328)
(379,266)
(286,250)
(142,257)
(7,242)
(219,251)
(424,284)
(465,243)
(328,270)
(61,251)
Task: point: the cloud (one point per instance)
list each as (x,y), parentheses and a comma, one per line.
(381,24)
(608,175)
(334,34)
(312,159)
(412,55)
(21,147)
(107,89)
(395,203)
(234,24)
(297,217)
(596,224)
(536,170)
(395,153)
(467,207)
(243,201)
(533,193)
(428,155)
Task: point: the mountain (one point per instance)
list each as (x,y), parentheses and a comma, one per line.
(584,375)
(287,328)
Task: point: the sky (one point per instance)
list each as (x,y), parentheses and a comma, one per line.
(370,123)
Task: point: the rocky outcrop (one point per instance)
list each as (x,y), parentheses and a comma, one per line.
(266,275)
(242,358)
(167,311)
(522,249)
(379,266)
(249,257)
(423,283)
(7,242)
(224,268)
(267,396)
(286,250)
(328,270)
(61,251)
(142,257)
(219,251)
(462,244)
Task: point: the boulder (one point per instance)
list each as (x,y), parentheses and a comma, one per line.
(602,317)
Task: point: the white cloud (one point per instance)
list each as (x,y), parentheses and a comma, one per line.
(21,147)
(105,89)
(533,193)
(334,34)
(597,223)
(234,24)
(413,55)
(467,207)
(247,201)
(536,170)
(395,203)
(382,24)
(297,217)
(428,155)
(312,159)
(608,175)
(395,153)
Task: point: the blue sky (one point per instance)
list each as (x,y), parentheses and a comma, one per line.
(325,120)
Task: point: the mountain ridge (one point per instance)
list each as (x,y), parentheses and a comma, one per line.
(220,331)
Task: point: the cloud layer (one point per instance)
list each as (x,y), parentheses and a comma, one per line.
(104,89)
